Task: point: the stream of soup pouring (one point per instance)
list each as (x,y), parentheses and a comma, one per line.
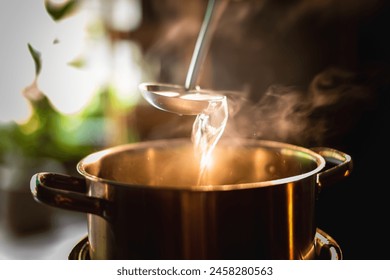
(207,129)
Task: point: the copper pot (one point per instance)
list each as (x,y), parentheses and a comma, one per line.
(143,200)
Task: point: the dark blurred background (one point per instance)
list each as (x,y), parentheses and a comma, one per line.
(311,73)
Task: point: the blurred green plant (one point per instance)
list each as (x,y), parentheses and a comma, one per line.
(58,11)
(48,133)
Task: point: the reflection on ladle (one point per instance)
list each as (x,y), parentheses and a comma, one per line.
(188,99)
(176,99)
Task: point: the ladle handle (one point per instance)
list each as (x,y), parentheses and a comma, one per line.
(203,41)
(340,162)
(66,192)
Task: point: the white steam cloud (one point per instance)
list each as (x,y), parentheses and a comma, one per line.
(330,105)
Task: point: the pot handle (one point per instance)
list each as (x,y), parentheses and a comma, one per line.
(326,247)
(66,192)
(340,166)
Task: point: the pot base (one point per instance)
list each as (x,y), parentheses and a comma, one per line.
(326,248)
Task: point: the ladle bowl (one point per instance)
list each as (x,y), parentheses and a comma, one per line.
(176,99)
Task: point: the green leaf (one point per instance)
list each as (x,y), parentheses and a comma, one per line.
(60,11)
(36,55)
(77,63)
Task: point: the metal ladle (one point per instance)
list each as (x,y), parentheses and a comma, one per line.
(189,99)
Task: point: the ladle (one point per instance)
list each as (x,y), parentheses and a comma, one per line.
(189,99)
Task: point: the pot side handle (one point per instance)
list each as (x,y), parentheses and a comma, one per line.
(66,192)
(341,166)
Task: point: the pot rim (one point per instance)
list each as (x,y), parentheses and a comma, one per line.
(285,148)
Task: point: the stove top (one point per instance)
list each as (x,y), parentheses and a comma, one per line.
(326,248)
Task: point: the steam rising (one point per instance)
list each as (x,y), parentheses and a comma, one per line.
(291,73)
(302,117)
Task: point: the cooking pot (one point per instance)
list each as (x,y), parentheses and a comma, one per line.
(143,200)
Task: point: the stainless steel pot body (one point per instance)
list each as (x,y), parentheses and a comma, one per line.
(144,202)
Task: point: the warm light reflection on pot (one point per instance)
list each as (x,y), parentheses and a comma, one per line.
(143,200)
